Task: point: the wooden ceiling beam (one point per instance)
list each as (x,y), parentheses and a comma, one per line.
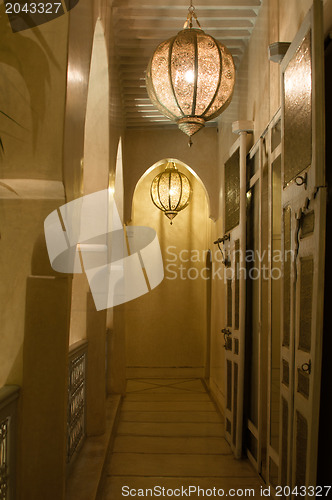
(155,34)
(144,54)
(170,24)
(202,13)
(184,4)
(125,43)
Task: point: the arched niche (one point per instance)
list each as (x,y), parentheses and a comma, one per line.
(183,167)
(143,148)
(166,328)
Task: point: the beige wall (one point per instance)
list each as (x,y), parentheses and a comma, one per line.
(43,86)
(32,92)
(32,87)
(21,225)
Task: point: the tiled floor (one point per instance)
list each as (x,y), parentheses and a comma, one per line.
(171,435)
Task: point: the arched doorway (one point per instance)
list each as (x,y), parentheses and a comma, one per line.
(166,329)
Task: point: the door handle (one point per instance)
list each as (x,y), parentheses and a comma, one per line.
(222,240)
(226,333)
(306,367)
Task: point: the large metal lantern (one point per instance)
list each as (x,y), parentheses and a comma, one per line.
(190,77)
(171,191)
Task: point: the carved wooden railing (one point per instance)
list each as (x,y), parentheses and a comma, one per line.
(76,399)
(8,426)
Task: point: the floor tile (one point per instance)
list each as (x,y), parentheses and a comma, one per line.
(171,396)
(152,464)
(181,445)
(171,429)
(164,381)
(168,406)
(191,385)
(170,434)
(136,385)
(170,416)
(166,389)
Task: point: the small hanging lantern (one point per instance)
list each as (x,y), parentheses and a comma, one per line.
(190,77)
(171,191)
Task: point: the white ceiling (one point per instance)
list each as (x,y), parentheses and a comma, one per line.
(140,25)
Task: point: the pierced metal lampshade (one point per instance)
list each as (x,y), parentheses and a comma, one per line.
(190,77)
(171,191)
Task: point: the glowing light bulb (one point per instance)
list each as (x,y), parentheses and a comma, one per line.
(190,76)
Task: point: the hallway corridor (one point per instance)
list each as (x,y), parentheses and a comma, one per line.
(171,435)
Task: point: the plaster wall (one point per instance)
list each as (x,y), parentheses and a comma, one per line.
(21,223)
(32,92)
(43,87)
(327,17)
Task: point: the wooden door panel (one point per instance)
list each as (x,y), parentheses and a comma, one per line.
(234,243)
(304,206)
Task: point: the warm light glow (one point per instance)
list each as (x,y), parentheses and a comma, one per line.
(75,75)
(190,78)
(170,191)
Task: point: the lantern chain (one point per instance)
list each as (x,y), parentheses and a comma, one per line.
(191,15)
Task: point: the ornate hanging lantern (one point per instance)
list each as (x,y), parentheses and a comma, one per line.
(171,191)
(190,77)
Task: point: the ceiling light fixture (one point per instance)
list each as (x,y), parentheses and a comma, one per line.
(190,77)
(171,191)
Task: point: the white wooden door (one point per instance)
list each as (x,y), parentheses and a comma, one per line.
(273,148)
(253,414)
(303,243)
(234,248)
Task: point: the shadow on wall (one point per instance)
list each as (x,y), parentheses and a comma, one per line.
(28,58)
